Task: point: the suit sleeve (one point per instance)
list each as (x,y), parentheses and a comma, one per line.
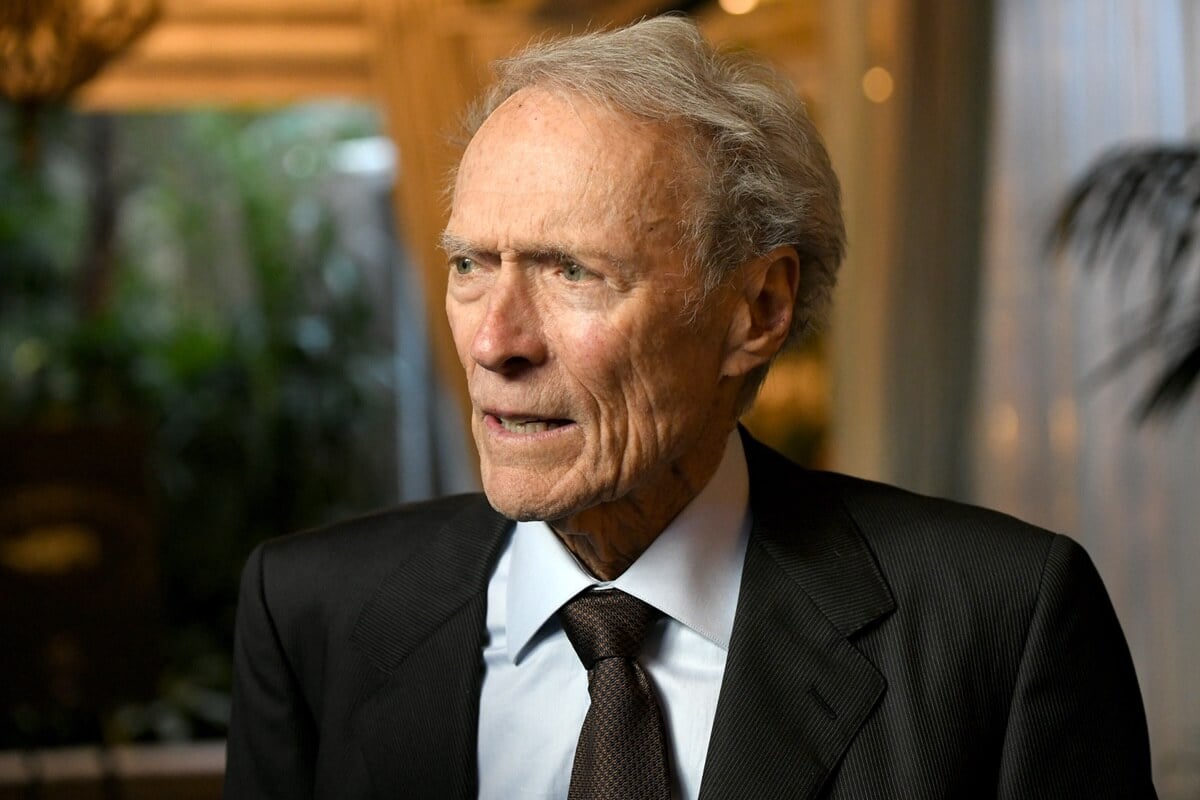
(272,741)
(1076,726)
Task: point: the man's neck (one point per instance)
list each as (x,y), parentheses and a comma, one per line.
(609,537)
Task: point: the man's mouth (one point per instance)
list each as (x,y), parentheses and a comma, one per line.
(528,425)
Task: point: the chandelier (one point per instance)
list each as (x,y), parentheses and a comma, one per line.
(48,48)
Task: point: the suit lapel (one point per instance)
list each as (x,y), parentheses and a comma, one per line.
(422,634)
(795,690)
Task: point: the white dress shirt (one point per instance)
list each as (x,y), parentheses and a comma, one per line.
(534,694)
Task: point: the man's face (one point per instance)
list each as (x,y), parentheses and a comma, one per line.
(589,382)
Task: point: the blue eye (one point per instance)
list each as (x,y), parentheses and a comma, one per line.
(573,272)
(463,265)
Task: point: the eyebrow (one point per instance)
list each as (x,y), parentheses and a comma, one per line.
(453,243)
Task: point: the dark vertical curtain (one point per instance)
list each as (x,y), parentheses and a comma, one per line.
(945,57)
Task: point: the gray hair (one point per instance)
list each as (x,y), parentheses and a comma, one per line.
(765,179)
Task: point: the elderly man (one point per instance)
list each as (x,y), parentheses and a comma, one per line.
(649,603)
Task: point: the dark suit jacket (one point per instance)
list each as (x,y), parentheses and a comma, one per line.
(885,645)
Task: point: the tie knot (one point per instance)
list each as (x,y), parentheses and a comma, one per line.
(608,624)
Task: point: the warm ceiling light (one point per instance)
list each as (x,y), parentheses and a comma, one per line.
(738,6)
(877,85)
(49,47)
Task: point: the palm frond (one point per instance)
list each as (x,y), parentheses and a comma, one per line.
(1138,207)
(1175,383)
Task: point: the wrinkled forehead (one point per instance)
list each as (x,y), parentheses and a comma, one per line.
(547,140)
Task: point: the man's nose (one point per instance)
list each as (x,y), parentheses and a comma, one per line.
(509,339)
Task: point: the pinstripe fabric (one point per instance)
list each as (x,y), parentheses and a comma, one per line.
(795,691)
(885,646)
(357,661)
(425,712)
(1006,672)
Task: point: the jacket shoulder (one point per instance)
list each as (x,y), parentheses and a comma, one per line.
(318,580)
(923,537)
(969,577)
(389,535)
(893,517)
(925,547)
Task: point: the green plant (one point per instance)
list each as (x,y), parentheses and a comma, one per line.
(225,320)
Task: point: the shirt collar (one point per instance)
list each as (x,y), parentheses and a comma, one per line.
(691,572)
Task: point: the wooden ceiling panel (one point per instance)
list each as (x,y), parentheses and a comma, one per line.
(275,10)
(260,52)
(202,44)
(159,92)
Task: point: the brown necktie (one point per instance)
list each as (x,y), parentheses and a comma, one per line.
(622,751)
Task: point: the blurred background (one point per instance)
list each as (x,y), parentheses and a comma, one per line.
(221,314)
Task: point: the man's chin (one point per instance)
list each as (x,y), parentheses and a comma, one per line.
(523,507)
(522,511)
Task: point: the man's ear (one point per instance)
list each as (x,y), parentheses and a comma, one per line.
(763,314)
